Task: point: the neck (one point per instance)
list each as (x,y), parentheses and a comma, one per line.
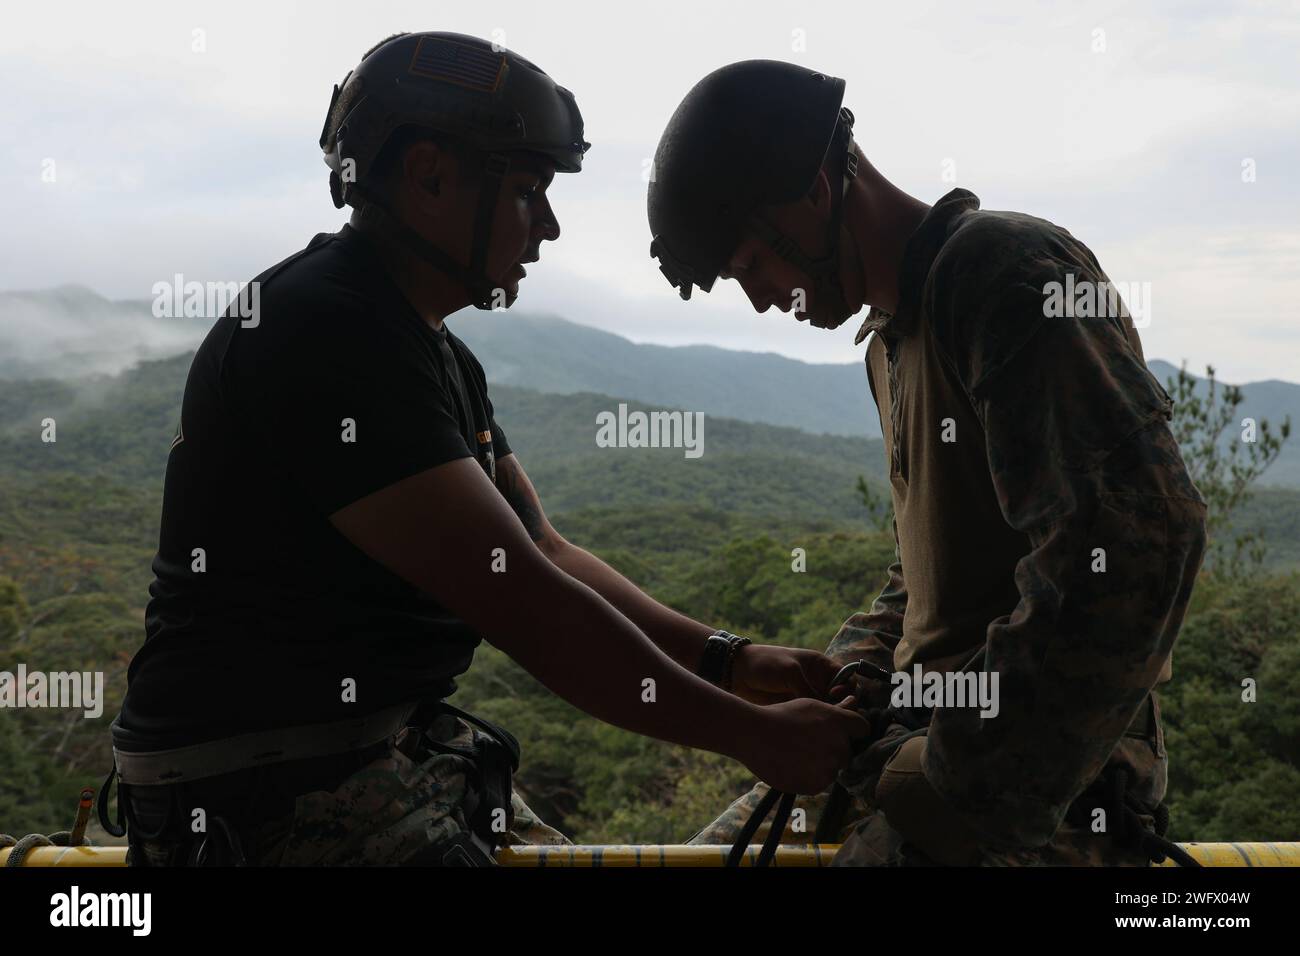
(880,218)
(432,293)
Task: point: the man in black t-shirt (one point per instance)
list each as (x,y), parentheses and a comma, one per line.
(339,390)
(343,520)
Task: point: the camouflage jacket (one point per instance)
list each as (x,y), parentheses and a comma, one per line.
(1048,529)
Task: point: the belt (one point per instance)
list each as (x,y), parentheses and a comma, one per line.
(227,755)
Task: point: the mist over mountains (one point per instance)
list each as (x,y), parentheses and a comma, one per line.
(71,332)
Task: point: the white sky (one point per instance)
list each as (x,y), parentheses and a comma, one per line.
(205,163)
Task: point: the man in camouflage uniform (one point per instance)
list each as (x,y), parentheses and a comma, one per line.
(1047,530)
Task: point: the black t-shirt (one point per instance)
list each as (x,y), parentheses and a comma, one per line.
(339,389)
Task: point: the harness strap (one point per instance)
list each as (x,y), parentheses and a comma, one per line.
(112,828)
(826,268)
(230,754)
(474,276)
(493,759)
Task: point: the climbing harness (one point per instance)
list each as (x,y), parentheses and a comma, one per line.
(1109,791)
(156,789)
(783,801)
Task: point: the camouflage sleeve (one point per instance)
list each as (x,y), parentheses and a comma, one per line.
(1084,464)
(873,635)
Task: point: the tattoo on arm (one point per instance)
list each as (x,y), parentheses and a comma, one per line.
(519,494)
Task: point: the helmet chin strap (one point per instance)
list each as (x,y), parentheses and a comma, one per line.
(828,291)
(484,293)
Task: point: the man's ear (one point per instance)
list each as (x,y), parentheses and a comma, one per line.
(424,163)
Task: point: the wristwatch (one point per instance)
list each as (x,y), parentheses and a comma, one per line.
(718,661)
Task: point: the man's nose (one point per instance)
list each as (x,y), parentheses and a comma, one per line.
(550,222)
(758,298)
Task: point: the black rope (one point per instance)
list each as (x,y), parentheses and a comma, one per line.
(751,827)
(832,817)
(783,810)
(1129,832)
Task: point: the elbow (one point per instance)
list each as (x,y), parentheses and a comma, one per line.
(553,546)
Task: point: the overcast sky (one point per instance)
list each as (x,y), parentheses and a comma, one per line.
(1127,123)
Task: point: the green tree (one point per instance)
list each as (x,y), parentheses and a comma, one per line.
(880,506)
(1223,466)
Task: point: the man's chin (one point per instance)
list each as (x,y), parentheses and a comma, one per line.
(504,294)
(820,321)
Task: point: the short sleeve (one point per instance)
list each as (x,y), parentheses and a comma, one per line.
(500,446)
(355,409)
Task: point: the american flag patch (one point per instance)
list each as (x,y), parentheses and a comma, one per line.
(458,63)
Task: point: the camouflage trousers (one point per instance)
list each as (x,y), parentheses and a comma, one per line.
(398,809)
(867,839)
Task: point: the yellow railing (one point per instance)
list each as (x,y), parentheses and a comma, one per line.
(1207,854)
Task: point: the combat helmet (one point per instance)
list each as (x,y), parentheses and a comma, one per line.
(750,134)
(485,96)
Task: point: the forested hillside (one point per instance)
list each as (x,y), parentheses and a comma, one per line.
(711,536)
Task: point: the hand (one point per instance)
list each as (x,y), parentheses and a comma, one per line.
(766,674)
(804,744)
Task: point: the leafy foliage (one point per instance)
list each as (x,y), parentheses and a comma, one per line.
(1224,466)
(713,537)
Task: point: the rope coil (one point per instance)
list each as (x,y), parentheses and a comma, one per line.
(74,837)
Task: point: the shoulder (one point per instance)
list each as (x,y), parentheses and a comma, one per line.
(467,356)
(985,293)
(990,249)
(325,282)
(320,309)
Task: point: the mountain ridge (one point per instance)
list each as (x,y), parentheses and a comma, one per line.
(70,331)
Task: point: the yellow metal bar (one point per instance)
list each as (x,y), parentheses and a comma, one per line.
(71,856)
(662,855)
(657,855)
(1207,854)
(1242,854)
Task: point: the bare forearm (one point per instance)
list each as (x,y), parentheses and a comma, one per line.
(677,635)
(585,651)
